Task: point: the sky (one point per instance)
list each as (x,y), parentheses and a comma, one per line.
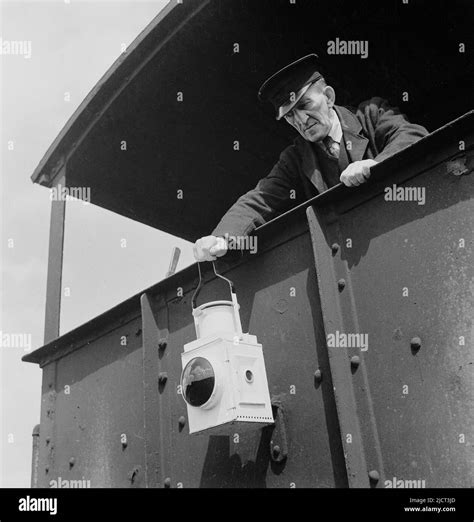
(73,43)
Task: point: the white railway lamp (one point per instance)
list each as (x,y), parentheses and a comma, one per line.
(223,382)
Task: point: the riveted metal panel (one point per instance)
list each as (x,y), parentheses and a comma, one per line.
(96,389)
(330,285)
(408,284)
(46,444)
(155,341)
(278,296)
(92,413)
(111,411)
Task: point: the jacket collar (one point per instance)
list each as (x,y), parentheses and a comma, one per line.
(355,144)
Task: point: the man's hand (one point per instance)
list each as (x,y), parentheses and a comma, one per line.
(209,248)
(357,172)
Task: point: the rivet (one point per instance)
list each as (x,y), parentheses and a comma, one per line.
(335,248)
(124,444)
(318,377)
(355,361)
(167,482)
(374,476)
(341,284)
(132,475)
(162,344)
(46,469)
(415,344)
(182,421)
(48,440)
(72,461)
(162,377)
(276,451)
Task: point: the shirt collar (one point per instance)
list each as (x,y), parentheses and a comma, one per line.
(336,129)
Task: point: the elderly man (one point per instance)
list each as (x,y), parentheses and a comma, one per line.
(335,145)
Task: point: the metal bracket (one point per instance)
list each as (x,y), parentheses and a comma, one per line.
(279,441)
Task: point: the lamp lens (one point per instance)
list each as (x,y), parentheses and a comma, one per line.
(198,381)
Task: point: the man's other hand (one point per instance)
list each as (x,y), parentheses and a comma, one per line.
(209,248)
(357,172)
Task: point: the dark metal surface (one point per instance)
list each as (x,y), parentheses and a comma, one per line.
(115,390)
(339,357)
(288,326)
(408,286)
(92,413)
(153,347)
(35,456)
(108,417)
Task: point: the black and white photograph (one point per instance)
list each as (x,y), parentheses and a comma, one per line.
(237,260)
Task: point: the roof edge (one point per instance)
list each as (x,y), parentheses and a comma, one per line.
(110,85)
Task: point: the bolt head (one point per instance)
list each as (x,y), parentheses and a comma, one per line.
(374,476)
(162,344)
(182,421)
(341,284)
(318,376)
(415,344)
(355,361)
(162,377)
(72,461)
(276,451)
(167,482)
(334,248)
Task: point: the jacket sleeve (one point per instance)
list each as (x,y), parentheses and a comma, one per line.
(390,129)
(272,196)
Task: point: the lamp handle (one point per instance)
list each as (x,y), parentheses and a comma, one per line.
(235,304)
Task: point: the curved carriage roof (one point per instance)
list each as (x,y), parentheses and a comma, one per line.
(183,99)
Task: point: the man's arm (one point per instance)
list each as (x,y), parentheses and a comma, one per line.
(390,129)
(389,132)
(271,196)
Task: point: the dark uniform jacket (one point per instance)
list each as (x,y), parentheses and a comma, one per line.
(373,130)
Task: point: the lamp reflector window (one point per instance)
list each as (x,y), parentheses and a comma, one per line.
(198,381)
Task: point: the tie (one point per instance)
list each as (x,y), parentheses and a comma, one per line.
(332,147)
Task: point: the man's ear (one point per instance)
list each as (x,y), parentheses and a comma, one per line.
(330,94)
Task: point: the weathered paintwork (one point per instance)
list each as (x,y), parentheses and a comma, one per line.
(112,412)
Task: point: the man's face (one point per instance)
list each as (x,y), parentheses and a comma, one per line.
(311,116)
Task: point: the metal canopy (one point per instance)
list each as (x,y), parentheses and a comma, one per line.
(190,145)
